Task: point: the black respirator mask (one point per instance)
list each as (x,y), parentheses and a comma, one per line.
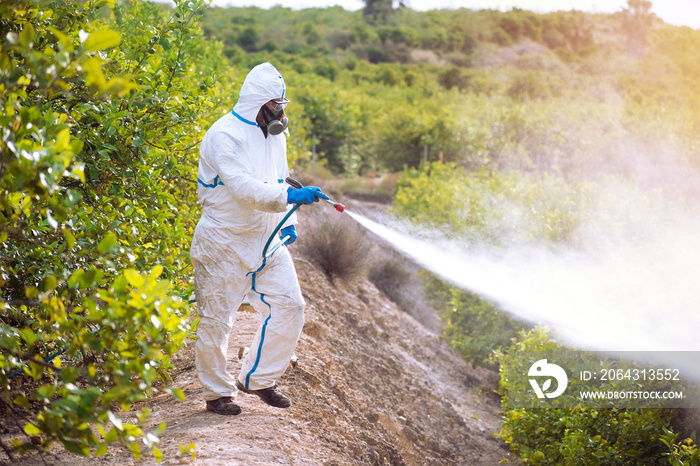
(275,119)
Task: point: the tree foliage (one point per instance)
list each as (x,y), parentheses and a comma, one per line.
(500,209)
(102,109)
(486,88)
(555,434)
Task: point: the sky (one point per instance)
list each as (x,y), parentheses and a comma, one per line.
(676,12)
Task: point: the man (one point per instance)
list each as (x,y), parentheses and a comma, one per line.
(243,194)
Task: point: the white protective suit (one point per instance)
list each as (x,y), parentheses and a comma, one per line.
(244,196)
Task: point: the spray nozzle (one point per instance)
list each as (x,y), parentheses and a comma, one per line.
(297,185)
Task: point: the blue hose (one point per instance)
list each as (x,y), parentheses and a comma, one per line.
(277,229)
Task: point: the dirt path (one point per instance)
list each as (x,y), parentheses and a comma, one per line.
(372,387)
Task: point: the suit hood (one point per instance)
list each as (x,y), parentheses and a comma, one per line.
(262,84)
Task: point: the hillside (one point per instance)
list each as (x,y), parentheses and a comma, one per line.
(372,386)
(485,89)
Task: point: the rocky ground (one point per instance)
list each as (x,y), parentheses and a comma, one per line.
(372,387)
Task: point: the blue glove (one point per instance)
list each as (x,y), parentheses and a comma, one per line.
(292,232)
(305,195)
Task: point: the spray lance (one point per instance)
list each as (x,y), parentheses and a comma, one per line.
(267,250)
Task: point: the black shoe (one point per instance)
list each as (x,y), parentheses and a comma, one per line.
(268,395)
(223,405)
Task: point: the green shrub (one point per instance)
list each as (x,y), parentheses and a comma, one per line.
(557,435)
(682,453)
(535,84)
(554,39)
(565,54)
(532,26)
(101,105)
(454,77)
(512,26)
(376,54)
(501,208)
(326,68)
(501,37)
(325,109)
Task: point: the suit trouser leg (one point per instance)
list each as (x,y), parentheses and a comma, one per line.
(276,295)
(218,299)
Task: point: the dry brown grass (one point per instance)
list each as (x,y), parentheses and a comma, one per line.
(338,246)
(400,281)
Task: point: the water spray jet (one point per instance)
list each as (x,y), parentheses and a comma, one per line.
(625,297)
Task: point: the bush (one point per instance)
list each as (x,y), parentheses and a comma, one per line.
(535,84)
(101,109)
(338,246)
(402,283)
(501,208)
(454,77)
(325,108)
(326,68)
(555,436)
(501,37)
(390,278)
(512,26)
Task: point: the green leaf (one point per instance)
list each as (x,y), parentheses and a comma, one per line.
(26,37)
(73,197)
(21,400)
(66,404)
(101,40)
(156,272)
(78,448)
(27,335)
(62,140)
(134,278)
(70,239)
(31,429)
(93,73)
(112,435)
(107,243)
(177,393)
(135,450)
(160,429)
(48,283)
(65,40)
